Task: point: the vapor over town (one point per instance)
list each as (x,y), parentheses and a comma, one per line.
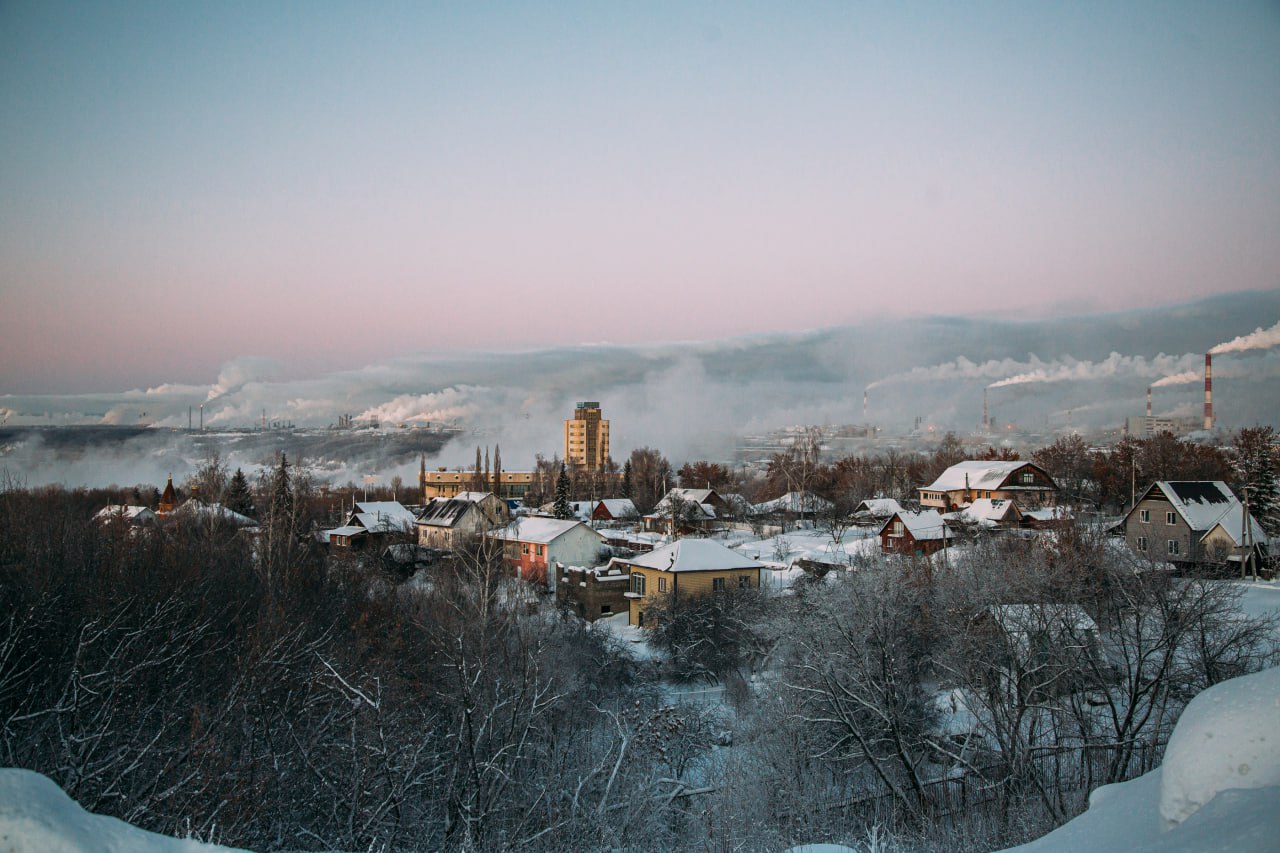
(815,428)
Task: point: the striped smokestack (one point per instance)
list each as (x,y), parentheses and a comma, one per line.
(1208,391)
(986,420)
(1148,401)
(864,407)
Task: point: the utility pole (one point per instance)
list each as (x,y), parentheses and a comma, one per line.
(1247,538)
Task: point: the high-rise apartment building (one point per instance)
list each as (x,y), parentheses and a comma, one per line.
(586,437)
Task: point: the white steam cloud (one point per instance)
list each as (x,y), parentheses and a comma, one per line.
(1260,338)
(1113,366)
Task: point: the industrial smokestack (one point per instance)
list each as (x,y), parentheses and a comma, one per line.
(1148,401)
(865,419)
(1208,391)
(986,420)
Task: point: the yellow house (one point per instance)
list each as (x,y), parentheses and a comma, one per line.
(687,567)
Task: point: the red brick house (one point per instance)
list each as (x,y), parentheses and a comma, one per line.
(531,544)
(914,533)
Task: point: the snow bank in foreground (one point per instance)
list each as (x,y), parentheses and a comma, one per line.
(1226,738)
(1233,810)
(35,815)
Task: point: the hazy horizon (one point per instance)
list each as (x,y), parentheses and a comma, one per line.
(329,185)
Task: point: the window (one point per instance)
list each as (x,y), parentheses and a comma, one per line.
(541,550)
(744,581)
(637,583)
(897,529)
(1028,478)
(606,609)
(717,584)
(1144,515)
(1174,546)
(1170,518)
(640,617)
(524,549)
(662,584)
(1141,543)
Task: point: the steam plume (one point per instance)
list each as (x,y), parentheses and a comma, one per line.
(1260,338)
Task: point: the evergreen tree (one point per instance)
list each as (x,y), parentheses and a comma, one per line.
(238,497)
(1254,466)
(626,480)
(562,507)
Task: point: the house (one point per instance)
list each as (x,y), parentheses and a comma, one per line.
(1188,522)
(914,533)
(447,522)
(875,511)
(688,567)
(797,504)
(696,510)
(593,593)
(965,482)
(195,509)
(614,509)
(134,516)
(988,513)
(372,521)
(531,544)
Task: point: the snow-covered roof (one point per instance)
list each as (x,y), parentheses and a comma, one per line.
(620,507)
(383,517)
(975,474)
(988,511)
(694,555)
(446,512)
(1051,513)
(689,511)
(879,507)
(346,530)
(538,530)
(1232,523)
(125,512)
(921,525)
(1201,503)
(194,507)
(473,497)
(796,502)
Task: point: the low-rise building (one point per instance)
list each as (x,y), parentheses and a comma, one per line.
(593,593)
(686,567)
(916,534)
(1188,522)
(531,544)
(447,522)
(965,482)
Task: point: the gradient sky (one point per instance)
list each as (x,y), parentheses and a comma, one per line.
(328,184)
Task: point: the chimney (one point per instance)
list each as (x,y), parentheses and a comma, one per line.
(1148,401)
(986,421)
(864,408)
(1208,391)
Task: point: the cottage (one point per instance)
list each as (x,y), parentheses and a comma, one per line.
(693,510)
(447,522)
(795,504)
(371,521)
(914,533)
(1187,522)
(988,513)
(530,545)
(134,516)
(965,482)
(875,511)
(614,509)
(688,567)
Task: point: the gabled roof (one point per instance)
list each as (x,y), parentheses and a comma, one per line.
(921,525)
(382,517)
(473,497)
(694,555)
(446,513)
(541,531)
(1200,503)
(796,502)
(619,507)
(1232,523)
(989,511)
(697,496)
(199,509)
(976,474)
(879,507)
(125,512)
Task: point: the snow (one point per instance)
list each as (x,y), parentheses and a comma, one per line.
(1216,791)
(922,525)
(794,502)
(694,555)
(974,474)
(1225,739)
(537,529)
(35,815)
(632,637)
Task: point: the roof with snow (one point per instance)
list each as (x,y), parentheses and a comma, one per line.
(538,530)
(382,517)
(921,525)
(472,497)
(446,512)
(1201,503)
(977,474)
(988,512)
(694,555)
(199,509)
(689,496)
(619,507)
(1232,523)
(796,502)
(124,512)
(879,507)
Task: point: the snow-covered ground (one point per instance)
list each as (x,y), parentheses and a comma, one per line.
(1217,790)
(37,817)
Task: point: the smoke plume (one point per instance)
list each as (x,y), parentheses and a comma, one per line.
(1260,338)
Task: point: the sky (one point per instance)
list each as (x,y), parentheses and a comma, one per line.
(325,185)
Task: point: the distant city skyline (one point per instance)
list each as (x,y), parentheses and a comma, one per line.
(330,185)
